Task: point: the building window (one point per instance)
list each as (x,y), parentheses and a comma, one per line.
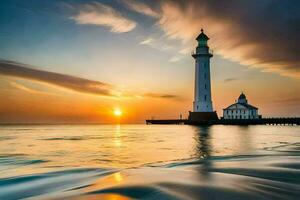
(204,97)
(205,86)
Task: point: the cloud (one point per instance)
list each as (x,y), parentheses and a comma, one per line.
(164,96)
(19,70)
(96,13)
(147,41)
(174,59)
(157,44)
(140,7)
(291,100)
(82,85)
(262,34)
(23,87)
(229,80)
(187,50)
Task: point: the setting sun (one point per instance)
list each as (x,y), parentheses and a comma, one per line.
(118,112)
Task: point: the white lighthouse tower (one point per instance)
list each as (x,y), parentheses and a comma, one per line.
(202,105)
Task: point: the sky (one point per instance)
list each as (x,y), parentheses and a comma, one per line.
(78,61)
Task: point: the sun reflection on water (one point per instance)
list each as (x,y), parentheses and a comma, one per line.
(117,136)
(118,177)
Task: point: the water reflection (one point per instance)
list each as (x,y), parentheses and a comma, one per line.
(117,136)
(203,146)
(244,139)
(44,147)
(203,150)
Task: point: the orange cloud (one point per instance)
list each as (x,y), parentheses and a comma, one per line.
(14,69)
(73,83)
(140,7)
(252,33)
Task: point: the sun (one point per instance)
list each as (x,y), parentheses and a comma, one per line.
(118,112)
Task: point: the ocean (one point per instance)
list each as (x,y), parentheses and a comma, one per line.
(149,162)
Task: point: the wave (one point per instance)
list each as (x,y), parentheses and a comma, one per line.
(18,159)
(273,174)
(269,176)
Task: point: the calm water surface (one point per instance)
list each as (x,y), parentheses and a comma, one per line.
(97,157)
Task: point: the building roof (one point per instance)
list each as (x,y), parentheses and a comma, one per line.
(242,96)
(248,106)
(202,36)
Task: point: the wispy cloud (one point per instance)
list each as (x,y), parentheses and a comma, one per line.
(157,44)
(22,87)
(174,59)
(96,13)
(229,80)
(236,28)
(147,41)
(292,100)
(186,50)
(27,89)
(238,32)
(140,7)
(19,70)
(82,85)
(164,96)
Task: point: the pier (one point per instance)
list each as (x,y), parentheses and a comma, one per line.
(263,121)
(166,121)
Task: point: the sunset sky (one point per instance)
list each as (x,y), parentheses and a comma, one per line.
(81,61)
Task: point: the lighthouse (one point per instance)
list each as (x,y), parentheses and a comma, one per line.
(202,105)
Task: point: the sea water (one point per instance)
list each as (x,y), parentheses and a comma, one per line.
(149,162)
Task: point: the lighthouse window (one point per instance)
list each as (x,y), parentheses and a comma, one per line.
(202,43)
(204,97)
